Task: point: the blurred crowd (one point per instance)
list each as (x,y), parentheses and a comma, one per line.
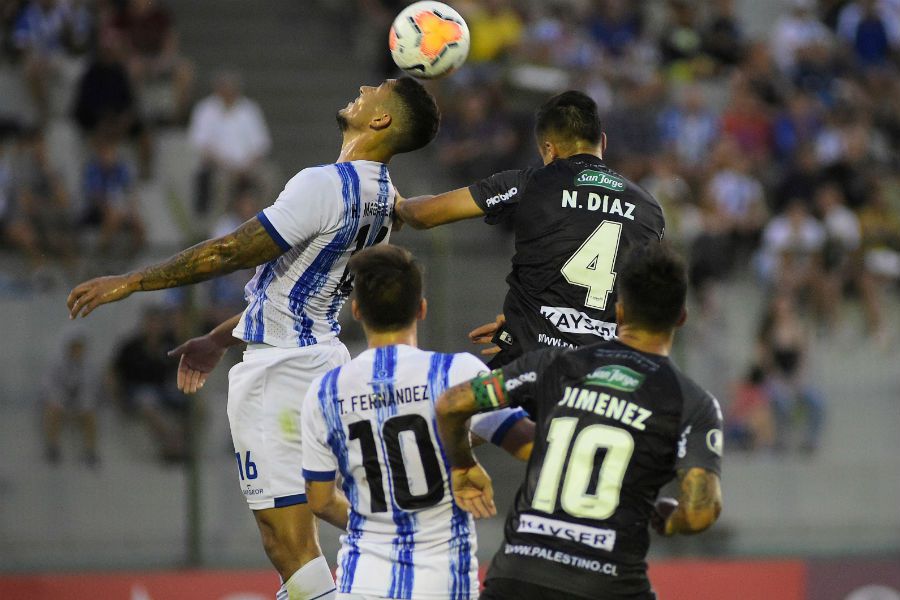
(774,156)
(112,73)
(87,89)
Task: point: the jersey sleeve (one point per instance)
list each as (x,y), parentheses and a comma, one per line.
(491,426)
(516,384)
(304,209)
(319,462)
(499,194)
(701,441)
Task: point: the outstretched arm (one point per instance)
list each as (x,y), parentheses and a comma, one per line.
(699,504)
(247,246)
(425,212)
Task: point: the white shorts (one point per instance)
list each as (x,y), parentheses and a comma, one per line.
(265,393)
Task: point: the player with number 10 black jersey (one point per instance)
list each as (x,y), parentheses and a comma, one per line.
(574,219)
(615,422)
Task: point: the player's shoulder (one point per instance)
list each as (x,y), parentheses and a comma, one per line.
(694,396)
(320,175)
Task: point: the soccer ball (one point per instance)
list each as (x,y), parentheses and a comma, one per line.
(429,39)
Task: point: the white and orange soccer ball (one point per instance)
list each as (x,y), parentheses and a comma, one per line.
(429,39)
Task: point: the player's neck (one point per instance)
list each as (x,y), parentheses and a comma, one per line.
(405,337)
(646,341)
(357,146)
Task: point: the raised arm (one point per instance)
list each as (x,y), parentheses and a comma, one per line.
(699,504)
(425,212)
(249,245)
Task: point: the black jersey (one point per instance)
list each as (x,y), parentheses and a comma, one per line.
(574,221)
(613,426)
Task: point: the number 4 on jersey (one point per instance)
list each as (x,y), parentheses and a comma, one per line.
(592,264)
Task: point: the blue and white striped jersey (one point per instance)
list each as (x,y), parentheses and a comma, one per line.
(323,215)
(373,420)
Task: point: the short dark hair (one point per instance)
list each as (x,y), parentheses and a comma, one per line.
(653,286)
(571,115)
(387,286)
(421,115)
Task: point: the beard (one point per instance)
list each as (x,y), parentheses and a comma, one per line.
(342,122)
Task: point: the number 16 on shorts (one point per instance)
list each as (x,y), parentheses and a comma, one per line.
(246,467)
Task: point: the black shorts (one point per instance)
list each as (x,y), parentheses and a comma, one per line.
(499,588)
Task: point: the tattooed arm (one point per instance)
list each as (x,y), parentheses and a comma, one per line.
(247,246)
(699,505)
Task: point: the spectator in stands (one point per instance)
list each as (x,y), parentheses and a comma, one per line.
(105,101)
(758,68)
(799,181)
(842,238)
(747,122)
(152,56)
(738,194)
(749,421)
(689,129)
(796,33)
(615,25)
(879,257)
(230,133)
(145,379)
(70,392)
(792,244)
(723,36)
(782,352)
(872,29)
(111,201)
(495,29)
(45,212)
(43,32)
(478,138)
(796,126)
(681,44)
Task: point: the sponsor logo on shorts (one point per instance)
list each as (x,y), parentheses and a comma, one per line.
(600,179)
(571,320)
(597,566)
(616,377)
(494,200)
(601,539)
(252,491)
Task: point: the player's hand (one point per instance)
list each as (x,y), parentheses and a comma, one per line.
(485,333)
(473,491)
(662,510)
(199,356)
(89,295)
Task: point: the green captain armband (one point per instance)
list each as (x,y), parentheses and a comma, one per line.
(489,391)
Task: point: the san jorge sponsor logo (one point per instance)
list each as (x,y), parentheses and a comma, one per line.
(600,179)
(616,377)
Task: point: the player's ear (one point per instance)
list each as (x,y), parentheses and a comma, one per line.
(549,151)
(379,122)
(423,310)
(354,308)
(602,144)
(683,318)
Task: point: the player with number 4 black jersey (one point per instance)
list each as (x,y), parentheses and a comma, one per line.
(615,421)
(574,219)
